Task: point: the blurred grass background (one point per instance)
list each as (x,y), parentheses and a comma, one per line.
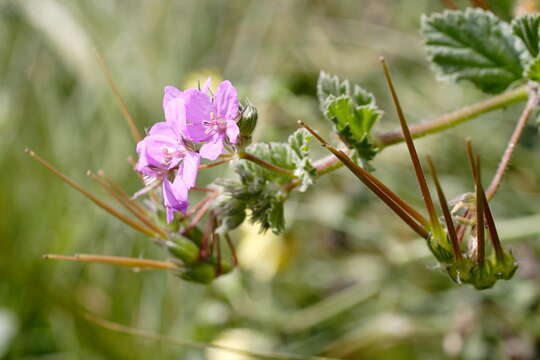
(346,280)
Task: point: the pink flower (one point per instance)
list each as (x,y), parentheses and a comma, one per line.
(200,117)
(163,154)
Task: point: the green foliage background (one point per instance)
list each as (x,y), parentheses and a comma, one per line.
(346,280)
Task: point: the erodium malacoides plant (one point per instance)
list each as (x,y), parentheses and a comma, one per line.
(210,125)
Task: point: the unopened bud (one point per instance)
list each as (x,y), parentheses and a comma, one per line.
(440,247)
(184,250)
(483,276)
(504,267)
(248,121)
(202,273)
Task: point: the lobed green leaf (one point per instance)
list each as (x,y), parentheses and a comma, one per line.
(527,29)
(472,45)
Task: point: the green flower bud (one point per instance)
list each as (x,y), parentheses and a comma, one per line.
(248,121)
(505,267)
(184,250)
(460,270)
(440,247)
(202,273)
(483,276)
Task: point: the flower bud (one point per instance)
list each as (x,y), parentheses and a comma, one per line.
(202,273)
(504,267)
(460,270)
(248,121)
(483,276)
(184,250)
(440,247)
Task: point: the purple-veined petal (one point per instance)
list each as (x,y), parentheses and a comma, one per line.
(198,108)
(189,168)
(213,148)
(226,101)
(232,131)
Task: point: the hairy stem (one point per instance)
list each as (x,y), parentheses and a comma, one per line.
(505,160)
(457,117)
(266,164)
(447,121)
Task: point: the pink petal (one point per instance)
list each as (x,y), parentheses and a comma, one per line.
(175,115)
(189,169)
(169,93)
(175,197)
(226,101)
(198,108)
(213,148)
(162,128)
(232,131)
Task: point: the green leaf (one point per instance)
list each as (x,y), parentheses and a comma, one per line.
(305,171)
(526,28)
(330,86)
(353,124)
(472,45)
(353,111)
(533,70)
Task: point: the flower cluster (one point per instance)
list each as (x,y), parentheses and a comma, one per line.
(197,125)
